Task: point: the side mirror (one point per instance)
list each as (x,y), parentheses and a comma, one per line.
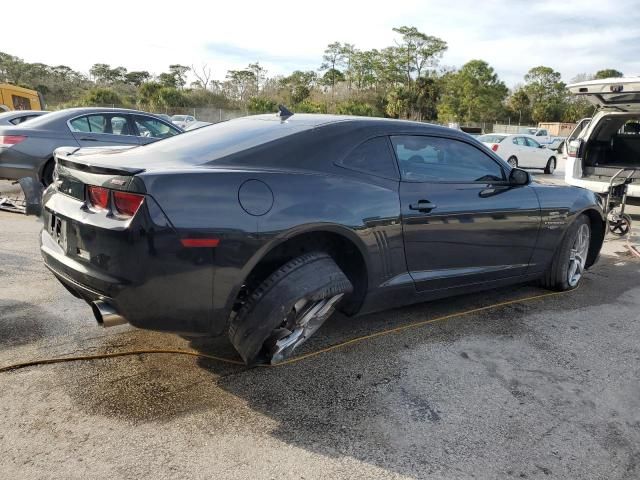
(517,176)
(542,146)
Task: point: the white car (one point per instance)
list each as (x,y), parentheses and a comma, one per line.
(520,150)
(611,140)
(182,121)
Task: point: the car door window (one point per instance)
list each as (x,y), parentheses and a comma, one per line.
(541,133)
(373,157)
(109,124)
(531,142)
(152,127)
(437,159)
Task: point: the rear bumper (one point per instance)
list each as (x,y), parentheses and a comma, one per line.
(141,269)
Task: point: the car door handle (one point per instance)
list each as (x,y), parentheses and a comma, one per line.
(88,139)
(423,206)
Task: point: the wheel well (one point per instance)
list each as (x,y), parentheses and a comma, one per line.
(597,235)
(50,161)
(343,251)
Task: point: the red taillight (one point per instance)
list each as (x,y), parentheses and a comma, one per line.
(98,196)
(494,147)
(127,203)
(11,140)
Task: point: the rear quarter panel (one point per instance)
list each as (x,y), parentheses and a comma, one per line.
(206,202)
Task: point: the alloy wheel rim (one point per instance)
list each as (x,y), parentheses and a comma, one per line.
(512,162)
(302,321)
(578,255)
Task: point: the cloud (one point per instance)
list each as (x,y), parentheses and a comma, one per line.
(572,36)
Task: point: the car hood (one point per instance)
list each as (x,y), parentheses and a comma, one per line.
(620,94)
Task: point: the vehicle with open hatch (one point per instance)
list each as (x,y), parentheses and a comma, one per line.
(608,144)
(261,227)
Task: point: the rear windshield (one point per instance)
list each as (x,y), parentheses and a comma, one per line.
(222,139)
(491,138)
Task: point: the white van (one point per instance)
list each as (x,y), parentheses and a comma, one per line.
(610,141)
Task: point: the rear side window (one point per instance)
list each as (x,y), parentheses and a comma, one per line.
(436,159)
(520,141)
(531,142)
(372,157)
(109,124)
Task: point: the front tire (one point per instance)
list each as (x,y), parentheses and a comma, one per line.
(287,308)
(513,162)
(551,166)
(569,261)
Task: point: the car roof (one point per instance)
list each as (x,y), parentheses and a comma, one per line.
(52,118)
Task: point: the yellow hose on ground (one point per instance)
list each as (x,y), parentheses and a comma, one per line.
(48,361)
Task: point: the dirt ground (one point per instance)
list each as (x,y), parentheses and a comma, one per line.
(546,388)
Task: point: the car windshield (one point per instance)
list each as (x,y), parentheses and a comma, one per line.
(179,118)
(491,138)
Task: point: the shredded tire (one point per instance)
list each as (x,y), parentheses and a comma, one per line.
(313,276)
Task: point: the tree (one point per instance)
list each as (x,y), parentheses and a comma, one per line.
(203,76)
(179,74)
(239,84)
(418,51)
(259,73)
(608,73)
(137,78)
(261,105)
(332,59)
(520,104)
(472,94)
(547,94)
(298,85)
(104,74)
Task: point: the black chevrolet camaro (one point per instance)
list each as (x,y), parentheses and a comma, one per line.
(260,227)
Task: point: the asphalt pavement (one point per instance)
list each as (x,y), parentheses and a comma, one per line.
(545,388)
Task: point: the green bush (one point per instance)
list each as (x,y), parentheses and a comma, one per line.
(101,97)
(352,107)
(309,106)
(262,105)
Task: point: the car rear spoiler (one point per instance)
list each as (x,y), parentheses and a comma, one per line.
(63,154)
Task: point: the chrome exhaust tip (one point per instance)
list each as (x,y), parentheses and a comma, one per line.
(106,315)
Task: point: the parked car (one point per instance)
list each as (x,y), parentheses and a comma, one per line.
(27,150)
(260,228)
(182,120)
(610,141)
(163,116)
(557,145)
(196,124)
(521,151)
(17,117)
(541,134)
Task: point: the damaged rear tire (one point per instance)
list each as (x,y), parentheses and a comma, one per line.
(287,308)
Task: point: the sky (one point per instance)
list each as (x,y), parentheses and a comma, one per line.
(572,36)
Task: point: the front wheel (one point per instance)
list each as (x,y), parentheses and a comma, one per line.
(287,308)
(513,162)
(551,166)
(570,259)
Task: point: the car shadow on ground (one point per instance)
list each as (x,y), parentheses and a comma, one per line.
(382,401)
